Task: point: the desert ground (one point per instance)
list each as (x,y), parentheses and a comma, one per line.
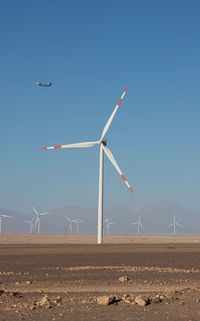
(64,277)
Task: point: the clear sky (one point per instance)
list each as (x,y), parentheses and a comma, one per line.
(91,50)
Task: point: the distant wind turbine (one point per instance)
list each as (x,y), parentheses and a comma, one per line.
(139,224)
(102,143)
(77,222)
(37,221)
(70,220)
(31,224)
(2,215)
(174,224)
(107,223)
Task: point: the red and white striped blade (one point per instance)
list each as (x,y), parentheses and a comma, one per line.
(112,115)
(85,144)
(113,161)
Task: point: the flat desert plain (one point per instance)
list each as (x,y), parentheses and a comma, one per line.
(64,277)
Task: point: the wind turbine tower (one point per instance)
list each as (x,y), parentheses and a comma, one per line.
(103,149)
(139,225)
(2,215)
(174,224)
(38,215)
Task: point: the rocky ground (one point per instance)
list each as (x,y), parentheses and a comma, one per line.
(100,282)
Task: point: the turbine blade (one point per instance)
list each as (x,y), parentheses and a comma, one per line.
(84,144)
(44,213)
(5,215)
(112,116)
(34,210)
(69,219)
(78,221)
(113,161)
(36,221)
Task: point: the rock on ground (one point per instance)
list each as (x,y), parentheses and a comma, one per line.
(124,278)
(106,300)
(45,301)
(140,300)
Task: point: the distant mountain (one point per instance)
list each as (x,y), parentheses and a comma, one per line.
(158,215)
(154,216)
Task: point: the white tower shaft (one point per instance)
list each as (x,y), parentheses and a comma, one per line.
(100,203)
(38,224)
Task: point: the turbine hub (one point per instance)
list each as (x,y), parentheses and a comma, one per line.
(104,142)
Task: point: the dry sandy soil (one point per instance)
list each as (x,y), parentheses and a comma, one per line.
(54,277)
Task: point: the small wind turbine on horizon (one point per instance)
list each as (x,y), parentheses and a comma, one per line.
(31,224)
(103,149)
(77,222)
(2,215)
(107,223)
(174,224)
(71,221)
(37,221)
(139,224)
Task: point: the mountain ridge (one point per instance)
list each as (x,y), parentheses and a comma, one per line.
(155,217)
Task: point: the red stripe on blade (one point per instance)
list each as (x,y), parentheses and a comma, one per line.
(123,178)
(131,190)
(58,146)
(43,148)
(126,88)
(119,102)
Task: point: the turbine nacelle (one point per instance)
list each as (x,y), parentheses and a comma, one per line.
(104,142)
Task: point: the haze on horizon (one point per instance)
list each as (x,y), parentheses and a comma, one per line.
(91,52)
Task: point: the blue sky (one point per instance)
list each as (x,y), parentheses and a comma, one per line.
(91,50)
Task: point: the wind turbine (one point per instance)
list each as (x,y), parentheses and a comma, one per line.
(77,222)
(31,224)
(37,221)
(2,215)
(70,220)
(102,143)
(107,222)
(139,224)
(174,224)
